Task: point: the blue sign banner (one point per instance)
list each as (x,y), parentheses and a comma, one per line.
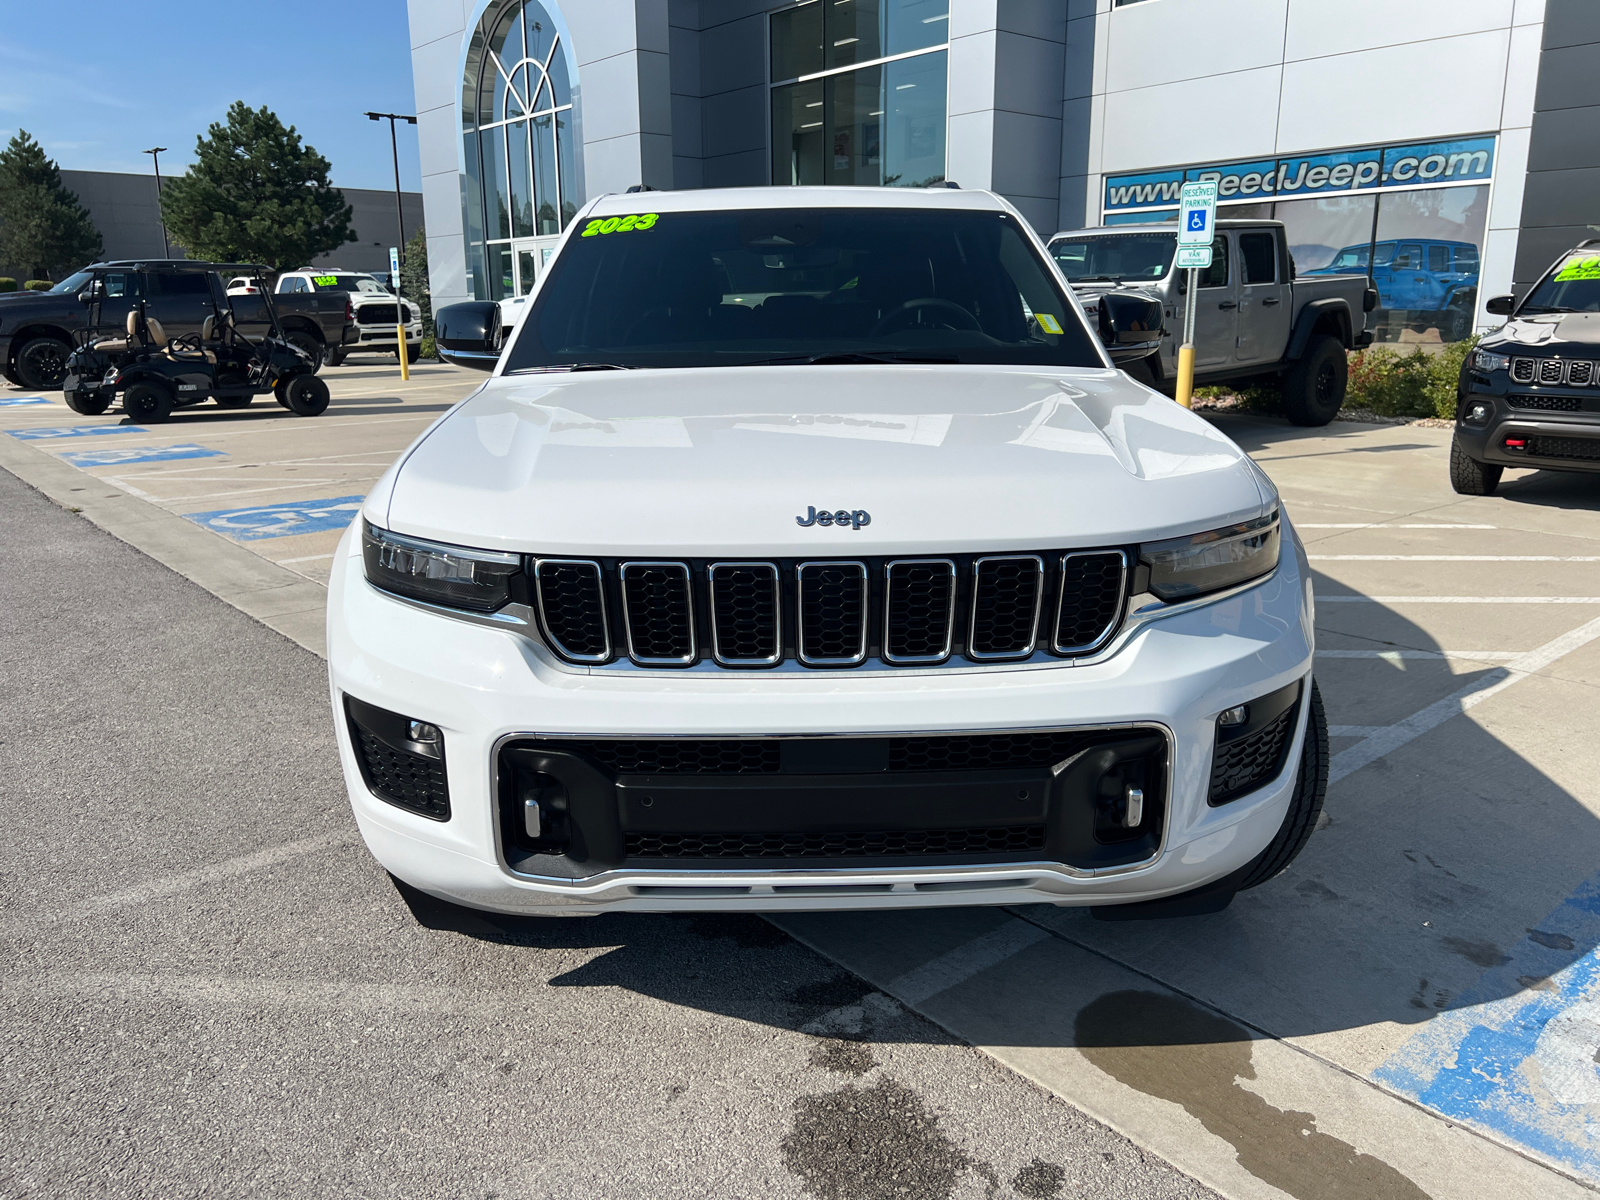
(30,435)
(1424,164)
(14,401)
(280,520)
(116,456)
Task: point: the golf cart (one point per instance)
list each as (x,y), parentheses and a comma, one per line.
(155,373)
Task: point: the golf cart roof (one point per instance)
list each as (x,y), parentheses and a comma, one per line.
(183,264)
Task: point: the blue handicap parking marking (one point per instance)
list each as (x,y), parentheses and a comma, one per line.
(116,456)
(29,435)
(1517,1056)
(280,520)
(14,401)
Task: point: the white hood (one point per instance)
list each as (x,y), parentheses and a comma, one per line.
(720,462)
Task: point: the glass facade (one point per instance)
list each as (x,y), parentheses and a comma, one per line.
(859,92)
(520,182)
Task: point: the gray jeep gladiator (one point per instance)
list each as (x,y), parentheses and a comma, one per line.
(38,330)
(1254,319)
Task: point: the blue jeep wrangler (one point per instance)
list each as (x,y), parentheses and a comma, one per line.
(1421,284)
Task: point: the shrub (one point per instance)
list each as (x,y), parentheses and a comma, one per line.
(7,284)
(1418,384)
(38,285)
(428,349)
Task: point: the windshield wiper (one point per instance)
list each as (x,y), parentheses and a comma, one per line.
(849,356)
(1550,308)
(1095,278)
(551,368)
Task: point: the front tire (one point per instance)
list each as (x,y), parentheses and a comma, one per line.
(306,396)
(147,403)
(412,353)
(1313,390)
(1305,806)
(333,356)
(42,363)
(311,346)
(1468,476)
(87,402)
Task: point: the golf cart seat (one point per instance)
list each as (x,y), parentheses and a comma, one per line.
(157,336)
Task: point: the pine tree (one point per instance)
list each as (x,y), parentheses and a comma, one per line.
(43,229)
(414,278)
(256,194)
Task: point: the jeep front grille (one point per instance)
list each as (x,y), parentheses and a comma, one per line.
(1574,372)
(908,612)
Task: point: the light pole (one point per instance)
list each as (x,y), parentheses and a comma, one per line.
(400,220)
(155,157)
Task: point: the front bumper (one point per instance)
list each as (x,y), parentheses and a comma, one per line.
(1558,427)
(384,335)
(485,688)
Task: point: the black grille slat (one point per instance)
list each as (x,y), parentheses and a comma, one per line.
(1580,372)
(378,314)
(658,609)
(843,844)
(745,613)
(572,608)
(1585,449)
(679,756)
(1006,593)
(833,613)
(1244,765)
(409,780)
(1547,403)
(1091,599)
(919,610)
(1549,370)
(984,751)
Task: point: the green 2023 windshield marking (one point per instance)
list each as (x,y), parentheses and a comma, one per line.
(620,224)
(1582,268)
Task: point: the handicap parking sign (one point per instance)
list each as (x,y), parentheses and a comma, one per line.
(1197,220)
(280,520)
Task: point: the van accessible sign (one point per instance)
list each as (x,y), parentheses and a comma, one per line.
(1420,164)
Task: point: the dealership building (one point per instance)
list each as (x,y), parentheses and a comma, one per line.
(1451,148)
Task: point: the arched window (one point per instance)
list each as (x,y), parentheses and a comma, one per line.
(523,182)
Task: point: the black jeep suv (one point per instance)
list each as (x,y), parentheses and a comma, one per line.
(1530,391)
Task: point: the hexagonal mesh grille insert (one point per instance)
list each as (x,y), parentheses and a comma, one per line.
(409,780)
(659,611)
(572,607)
(1005,605)
(1246,764)
(1091,595)
(744,611)
(1547,403)
(920,603)
(847,844)
(833,612)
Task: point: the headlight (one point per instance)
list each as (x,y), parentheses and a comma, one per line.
(1485,361)
(1183,568)
(455,576)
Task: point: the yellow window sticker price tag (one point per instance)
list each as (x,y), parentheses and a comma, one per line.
(1048,323)
(620,224)
(325,280)
(1580,268)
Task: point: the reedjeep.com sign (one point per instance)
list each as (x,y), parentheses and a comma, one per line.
(1425,164)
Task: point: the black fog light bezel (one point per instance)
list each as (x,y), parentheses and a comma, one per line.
(422,761)
(1469,412)
(1265,715)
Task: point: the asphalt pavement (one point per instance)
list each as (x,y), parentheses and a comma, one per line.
(210,989)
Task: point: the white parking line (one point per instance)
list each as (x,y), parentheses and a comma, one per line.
(1458,599)
(1392,737)
(284,562)
(1392,655)
(1384,525)
(1581,558)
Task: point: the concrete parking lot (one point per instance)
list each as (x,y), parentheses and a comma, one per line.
(210,982)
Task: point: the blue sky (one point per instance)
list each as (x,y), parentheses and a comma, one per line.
(97,82)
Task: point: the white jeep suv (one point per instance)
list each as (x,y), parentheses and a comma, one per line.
(805,550)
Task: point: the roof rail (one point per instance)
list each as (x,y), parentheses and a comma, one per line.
(946,183)
(642,187)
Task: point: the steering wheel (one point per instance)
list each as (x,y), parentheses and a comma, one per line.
(964,319)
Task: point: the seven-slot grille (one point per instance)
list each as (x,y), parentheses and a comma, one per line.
(1574,372)
(832,614)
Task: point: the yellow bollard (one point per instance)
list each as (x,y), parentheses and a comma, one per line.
(1185,376)
(405,367)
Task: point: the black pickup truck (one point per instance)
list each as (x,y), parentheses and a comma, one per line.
(39,329)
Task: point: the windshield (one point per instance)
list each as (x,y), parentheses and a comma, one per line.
(783,285)
(1115,256)
(1350,257)
(347,283)
(72,283)
(1574,286)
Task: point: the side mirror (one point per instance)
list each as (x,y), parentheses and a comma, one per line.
(91,292)
(1131,325)
(1501,306)
(468,334)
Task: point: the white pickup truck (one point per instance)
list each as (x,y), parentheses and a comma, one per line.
(376,312)
(1253,317)
(806,550)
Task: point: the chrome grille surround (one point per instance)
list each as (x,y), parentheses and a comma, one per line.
(942,570)
(544,570)
(989,566)
(635,580)
(718,651)
(1115,615)
(823,659)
